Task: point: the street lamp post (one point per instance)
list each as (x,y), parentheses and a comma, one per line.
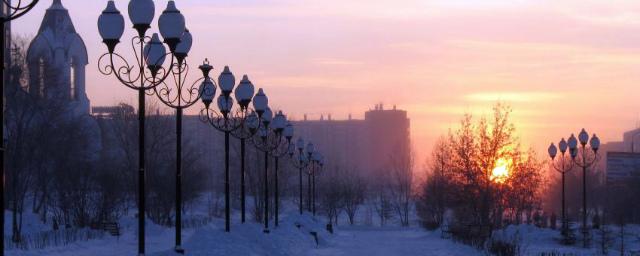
(318,162)
(147,72)
(179,97)
(247,129)
(280,151)
(269,139)
(585,161)
(563,166)
(10,12)
(226,119)
(310,150)
(301,162)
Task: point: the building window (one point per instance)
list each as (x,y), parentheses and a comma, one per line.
(72,79)
(41,75)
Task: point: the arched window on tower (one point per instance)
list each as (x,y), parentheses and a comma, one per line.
(72,79)
(41,75)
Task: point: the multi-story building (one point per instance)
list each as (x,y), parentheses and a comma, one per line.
(367,146)
(621,159)
(364,145)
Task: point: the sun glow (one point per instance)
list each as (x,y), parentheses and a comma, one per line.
(500,172)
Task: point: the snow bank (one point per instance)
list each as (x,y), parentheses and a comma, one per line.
(249,239)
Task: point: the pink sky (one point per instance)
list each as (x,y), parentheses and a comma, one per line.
(562,65)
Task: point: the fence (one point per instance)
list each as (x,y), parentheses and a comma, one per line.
(52,238)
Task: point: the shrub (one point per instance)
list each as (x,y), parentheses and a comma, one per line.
(501,245)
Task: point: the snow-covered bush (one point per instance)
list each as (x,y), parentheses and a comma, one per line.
(501,244)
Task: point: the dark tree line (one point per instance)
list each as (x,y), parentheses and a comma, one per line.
(73,169)
(341,190)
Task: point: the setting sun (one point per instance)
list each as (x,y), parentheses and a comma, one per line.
(500,172)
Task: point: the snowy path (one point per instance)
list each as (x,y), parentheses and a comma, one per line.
(390,241)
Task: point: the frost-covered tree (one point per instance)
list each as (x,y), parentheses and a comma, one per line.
(399,183)
(480,173)
(353,193)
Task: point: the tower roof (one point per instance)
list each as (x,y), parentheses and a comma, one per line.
(57,4)
(57,17)
(57,32)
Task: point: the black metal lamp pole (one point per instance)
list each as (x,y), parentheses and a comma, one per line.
(9,12)
(318,162)
(310,151)
(150,55)
(226,120)
(563,166)
(280,151)
(300,163)
(321,165)
(180,97)
(266,192)
(585,162)
(309,173)
(313,187)
(247,129)
(243,134)
(269,139)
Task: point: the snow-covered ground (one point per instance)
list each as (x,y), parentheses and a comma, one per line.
(374,241)
(535,241)
(293,237)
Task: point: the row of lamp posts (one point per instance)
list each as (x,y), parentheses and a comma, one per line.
(149,74)
(310,162)
(583,156)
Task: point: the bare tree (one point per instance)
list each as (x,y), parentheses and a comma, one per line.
(331,195)
(160,152)
(353,193)
(399,184)
(621,214)
(380,202)
(463,168)
(20,117)
(432,201)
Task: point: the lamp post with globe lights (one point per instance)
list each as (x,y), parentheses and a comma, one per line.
(10,12)
(247,129)
(300,162)
(268,139)
(318,163)
(226,119)
(584,157)
(281,150)
(147,72)
(563,165)
(178,96)
(310,151)
(321,163)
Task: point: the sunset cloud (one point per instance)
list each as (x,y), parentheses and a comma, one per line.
(538,97)
(555,62)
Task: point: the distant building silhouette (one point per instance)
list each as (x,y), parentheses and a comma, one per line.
(56,60)
(363,145)
(366,145)
(113,111)
(625,152)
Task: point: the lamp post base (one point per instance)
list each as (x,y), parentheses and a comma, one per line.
(586,237)
(266,231)
(179,249)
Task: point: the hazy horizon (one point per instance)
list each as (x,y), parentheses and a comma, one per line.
(561,66)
